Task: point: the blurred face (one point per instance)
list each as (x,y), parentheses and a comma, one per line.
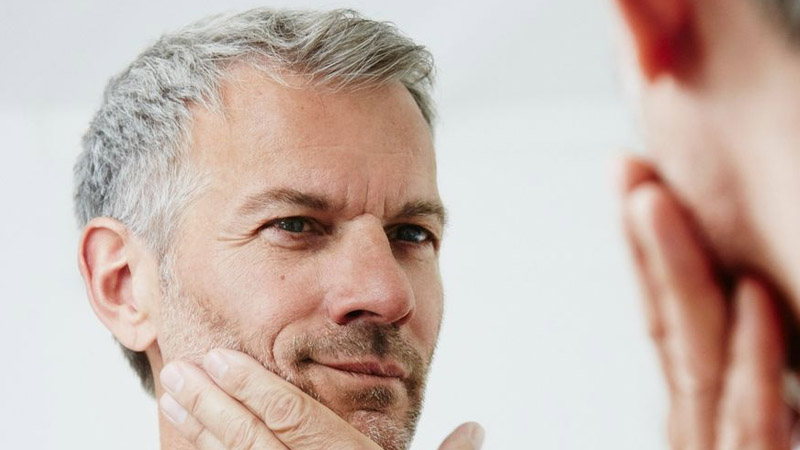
(686,137)
(314,247)
(721,127)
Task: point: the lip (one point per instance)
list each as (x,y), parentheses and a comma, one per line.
(368,367)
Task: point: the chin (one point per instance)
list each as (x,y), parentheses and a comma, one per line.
(387,430)
(384,415)
(381,409)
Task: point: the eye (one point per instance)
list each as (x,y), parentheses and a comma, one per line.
(292,232)
(293,224)
(411,233)
(293,227)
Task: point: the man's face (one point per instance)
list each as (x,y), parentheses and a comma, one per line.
(314,246)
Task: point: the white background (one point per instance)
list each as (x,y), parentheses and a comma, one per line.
(542,341)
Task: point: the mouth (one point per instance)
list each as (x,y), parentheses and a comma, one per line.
(367,368)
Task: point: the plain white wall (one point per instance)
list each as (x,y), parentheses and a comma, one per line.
(542,341)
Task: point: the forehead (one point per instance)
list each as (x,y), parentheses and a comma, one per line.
(314,138)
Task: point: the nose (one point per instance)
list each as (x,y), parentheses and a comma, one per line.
(365,280)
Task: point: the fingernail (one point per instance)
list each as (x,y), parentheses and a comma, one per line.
(476,435)
(215,364)
(171,378)
(172,409)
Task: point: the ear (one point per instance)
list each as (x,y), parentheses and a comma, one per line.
(121,280)
(665,36)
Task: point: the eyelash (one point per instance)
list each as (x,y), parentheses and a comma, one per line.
(320,229)
(307,221)
(429,239)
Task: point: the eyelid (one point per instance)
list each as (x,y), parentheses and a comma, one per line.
(315,225)
(433,238)
(434,231)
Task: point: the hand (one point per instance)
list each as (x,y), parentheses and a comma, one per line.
(235,403)
(723,368)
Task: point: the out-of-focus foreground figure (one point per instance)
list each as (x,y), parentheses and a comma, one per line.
(713,216)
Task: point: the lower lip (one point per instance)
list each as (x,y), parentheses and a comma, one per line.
(358,377)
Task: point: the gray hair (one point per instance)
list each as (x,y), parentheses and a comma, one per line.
(130,166)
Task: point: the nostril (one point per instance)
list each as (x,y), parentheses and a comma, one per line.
(353,315)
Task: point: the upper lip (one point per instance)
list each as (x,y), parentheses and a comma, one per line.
(374,367)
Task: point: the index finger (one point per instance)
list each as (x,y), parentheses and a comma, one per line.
(690,309)
(294,418)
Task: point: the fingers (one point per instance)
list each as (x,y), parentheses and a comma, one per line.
(191,429)
(296,419)
(685,309)
(468,436)
(210,418)
(246,406)
(753,415)
(633,171)
(726,389)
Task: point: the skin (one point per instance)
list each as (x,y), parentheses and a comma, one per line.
(711,214)
(310,254)
(722,353)
(721,131)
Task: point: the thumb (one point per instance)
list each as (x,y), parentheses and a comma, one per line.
(468,436)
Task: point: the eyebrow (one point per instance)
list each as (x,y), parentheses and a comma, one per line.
(422,208)
(257,202)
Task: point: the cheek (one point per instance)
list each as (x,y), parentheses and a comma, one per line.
(276,297)
(678,140)
(427,286)
(262,295)
(699,171)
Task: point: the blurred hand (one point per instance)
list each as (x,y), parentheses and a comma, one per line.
(722,358)
(235,403)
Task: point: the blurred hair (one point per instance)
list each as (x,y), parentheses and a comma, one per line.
(130,168)
(787,14)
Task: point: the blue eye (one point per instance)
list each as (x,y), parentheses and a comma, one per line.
(412,233)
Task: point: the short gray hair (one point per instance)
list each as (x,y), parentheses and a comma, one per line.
(130,165)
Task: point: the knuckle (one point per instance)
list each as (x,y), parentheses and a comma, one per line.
(197,438)
(657,332)
(699,389)
(195,435)
(198,401)
(240,433)
(285,411)
(700,378)
(240,381)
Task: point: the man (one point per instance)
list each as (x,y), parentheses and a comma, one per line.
(714,216)
(264,184)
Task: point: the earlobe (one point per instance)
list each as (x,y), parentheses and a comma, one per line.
(665,37)
(111,263)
